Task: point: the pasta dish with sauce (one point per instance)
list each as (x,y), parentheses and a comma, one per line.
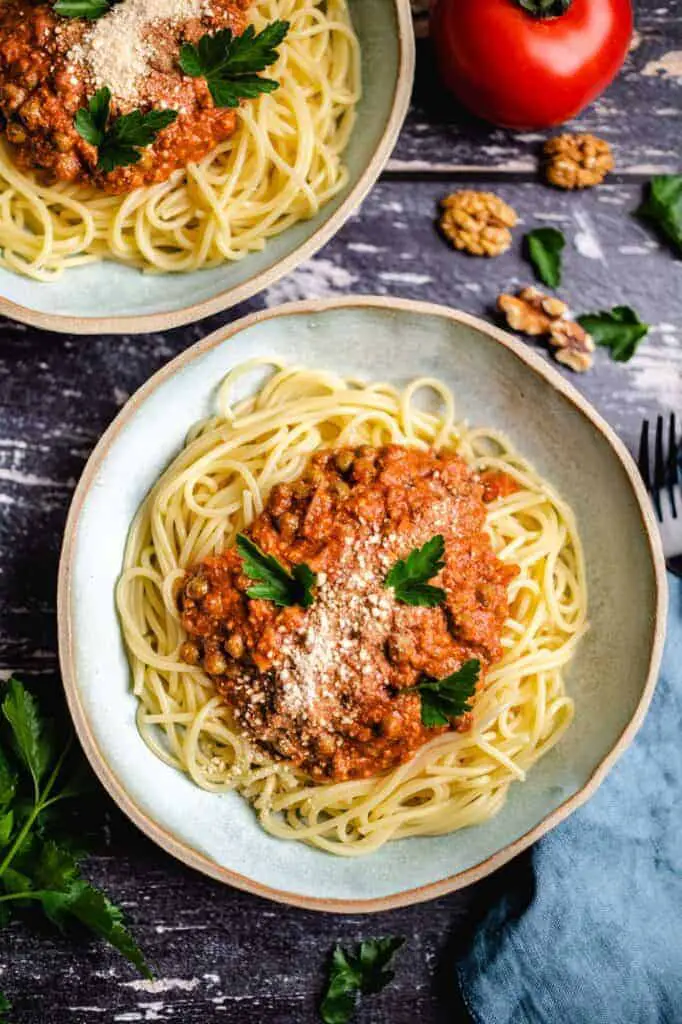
(354,612)
(170,135)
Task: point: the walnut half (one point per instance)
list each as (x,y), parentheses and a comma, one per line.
(477,222)
(577,161)
(574,346)
(534,313)
(531,311)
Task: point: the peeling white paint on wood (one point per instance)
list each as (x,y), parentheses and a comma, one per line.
(636,250)
(586,240)
(15,476)
(318,278)
(669,66)
(400,277)
(162,985)
(364,247)
(441,167)
(657,369)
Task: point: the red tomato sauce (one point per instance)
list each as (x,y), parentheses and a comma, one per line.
(329,688)
(497,484)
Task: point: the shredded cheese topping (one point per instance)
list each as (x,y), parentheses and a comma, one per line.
(116,51)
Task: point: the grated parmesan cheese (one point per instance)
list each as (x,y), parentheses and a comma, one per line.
(115,51)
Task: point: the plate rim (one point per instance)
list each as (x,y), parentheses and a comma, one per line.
(191,857)
(146,323)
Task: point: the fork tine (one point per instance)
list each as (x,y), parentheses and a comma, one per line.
(659,468)
(643,457)
(673,473)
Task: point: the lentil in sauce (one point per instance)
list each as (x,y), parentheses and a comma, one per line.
(328,688)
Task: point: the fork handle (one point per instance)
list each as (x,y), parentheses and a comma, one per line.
(675,565)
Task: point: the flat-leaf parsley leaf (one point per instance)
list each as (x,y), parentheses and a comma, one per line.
(90,9)
(230,63)
(30,735)
(366,970)
(663,206)
(544,247)
(448,698)
(35,775)
(118,140)
(274,582)
(618,329)
(409,576)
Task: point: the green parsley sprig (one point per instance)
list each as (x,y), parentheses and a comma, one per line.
(409,576)
(274,582)
(119,140)
(231,64)
(37,773)
(364,971)
(618,329)
(446,699)
(663,206)
(89,9)
(544,247)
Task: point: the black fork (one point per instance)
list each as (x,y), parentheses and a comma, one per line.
(665,477)
(666,468)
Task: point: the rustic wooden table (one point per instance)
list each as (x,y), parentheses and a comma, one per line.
(219,954)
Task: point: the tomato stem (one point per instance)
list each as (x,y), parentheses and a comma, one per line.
(544,8)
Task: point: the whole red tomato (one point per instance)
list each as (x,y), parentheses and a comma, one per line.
(522,69)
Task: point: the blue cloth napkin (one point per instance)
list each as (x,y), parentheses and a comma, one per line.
(596,935)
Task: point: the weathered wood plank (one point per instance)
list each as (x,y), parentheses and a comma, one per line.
(640,114)
(221,955)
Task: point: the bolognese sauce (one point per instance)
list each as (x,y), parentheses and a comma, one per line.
(497,485)
(50,66)
(329,688)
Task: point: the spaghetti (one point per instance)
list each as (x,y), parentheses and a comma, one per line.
(215,488)
(281,166)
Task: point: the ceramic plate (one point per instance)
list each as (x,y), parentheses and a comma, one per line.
(497,381)
(109,298)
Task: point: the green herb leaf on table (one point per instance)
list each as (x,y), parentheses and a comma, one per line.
(118,141)
(30,734)
(90,9)
(448,698)
(8,781)
(409,576)
(366,970)
(274,582)
(544,247)
(35,870)
(619,329)
(84,903)
(663,206)
(230,64)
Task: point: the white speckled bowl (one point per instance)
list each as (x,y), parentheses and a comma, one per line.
(108,298)
(497,381)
